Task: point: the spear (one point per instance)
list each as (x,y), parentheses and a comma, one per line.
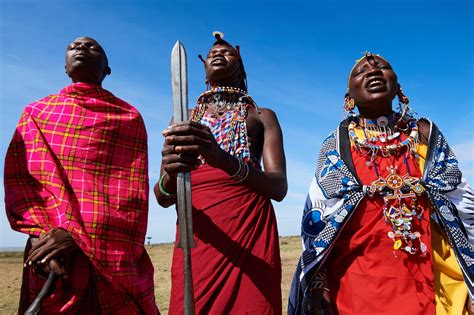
(179,82)
(48,286)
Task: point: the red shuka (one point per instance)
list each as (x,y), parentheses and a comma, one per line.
(365,274)
(236,264)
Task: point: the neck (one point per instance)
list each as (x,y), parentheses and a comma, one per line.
(77,80)
(371,113)
(225,83)
(231,81)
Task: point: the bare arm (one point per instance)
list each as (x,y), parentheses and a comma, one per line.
(424,131)
(271,182)
(184,142)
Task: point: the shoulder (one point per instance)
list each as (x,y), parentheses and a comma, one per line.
(42,103)
(262,111)
(265,115)
(424,129)
(122,103)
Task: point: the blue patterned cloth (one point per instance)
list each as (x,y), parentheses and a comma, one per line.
(335,193)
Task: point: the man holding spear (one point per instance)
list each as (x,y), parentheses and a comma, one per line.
(236,263)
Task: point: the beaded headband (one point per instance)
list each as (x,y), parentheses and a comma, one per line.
(219,36)
(366,54)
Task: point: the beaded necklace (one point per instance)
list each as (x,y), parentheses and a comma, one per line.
(222,98)
(230,131)
(399,192)
(387,132)
(399,195)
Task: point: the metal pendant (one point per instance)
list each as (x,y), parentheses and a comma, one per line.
(382,121)
(400,209)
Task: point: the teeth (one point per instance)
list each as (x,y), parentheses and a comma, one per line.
(375,82)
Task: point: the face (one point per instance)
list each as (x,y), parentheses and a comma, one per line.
(86,61)
(373,83)
(222,64)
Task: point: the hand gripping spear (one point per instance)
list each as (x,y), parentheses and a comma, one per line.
(179,81)
(48,286)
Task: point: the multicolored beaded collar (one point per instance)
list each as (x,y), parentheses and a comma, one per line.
(389,130)
(222,98)
(230,130)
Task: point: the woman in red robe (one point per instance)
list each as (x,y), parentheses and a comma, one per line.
(236,263)
(386,227)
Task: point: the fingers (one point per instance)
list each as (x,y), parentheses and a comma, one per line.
(188,128)
(194,150)
(35,256)
(46,259)
(168,149)
(58,269)
(173,164)
(56,242)
(179,140)
(38,242)
(182,158)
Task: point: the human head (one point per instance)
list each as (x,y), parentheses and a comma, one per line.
(223,64)
(86,61)
(373,84)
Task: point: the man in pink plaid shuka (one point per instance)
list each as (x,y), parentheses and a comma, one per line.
(76,181)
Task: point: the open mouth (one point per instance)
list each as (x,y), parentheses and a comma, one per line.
(375,82)
(218,61)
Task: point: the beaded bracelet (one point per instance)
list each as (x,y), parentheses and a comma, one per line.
(246,173)
(238,171)
(242,172)
(162,189)
(319,282)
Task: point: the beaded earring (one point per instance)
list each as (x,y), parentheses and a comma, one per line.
(349,105)
(208,86)
(403,101)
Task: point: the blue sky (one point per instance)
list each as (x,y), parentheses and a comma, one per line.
(297,57)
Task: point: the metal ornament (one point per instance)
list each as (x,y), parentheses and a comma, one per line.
(400,208)
(179,83)
(382,121)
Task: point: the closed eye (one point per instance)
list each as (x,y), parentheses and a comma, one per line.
(359,71)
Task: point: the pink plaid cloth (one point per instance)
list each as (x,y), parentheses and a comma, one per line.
(78,160)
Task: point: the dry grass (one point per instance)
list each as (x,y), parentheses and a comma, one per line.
(11,267)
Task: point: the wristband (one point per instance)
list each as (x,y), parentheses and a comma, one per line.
(162,189)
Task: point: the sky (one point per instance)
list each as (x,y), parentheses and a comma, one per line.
(297,57)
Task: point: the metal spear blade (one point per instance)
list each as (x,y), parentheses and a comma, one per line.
(179,81)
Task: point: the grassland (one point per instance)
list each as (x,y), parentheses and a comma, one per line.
(11,267)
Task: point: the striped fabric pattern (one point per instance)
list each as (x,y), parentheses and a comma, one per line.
(78,160)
